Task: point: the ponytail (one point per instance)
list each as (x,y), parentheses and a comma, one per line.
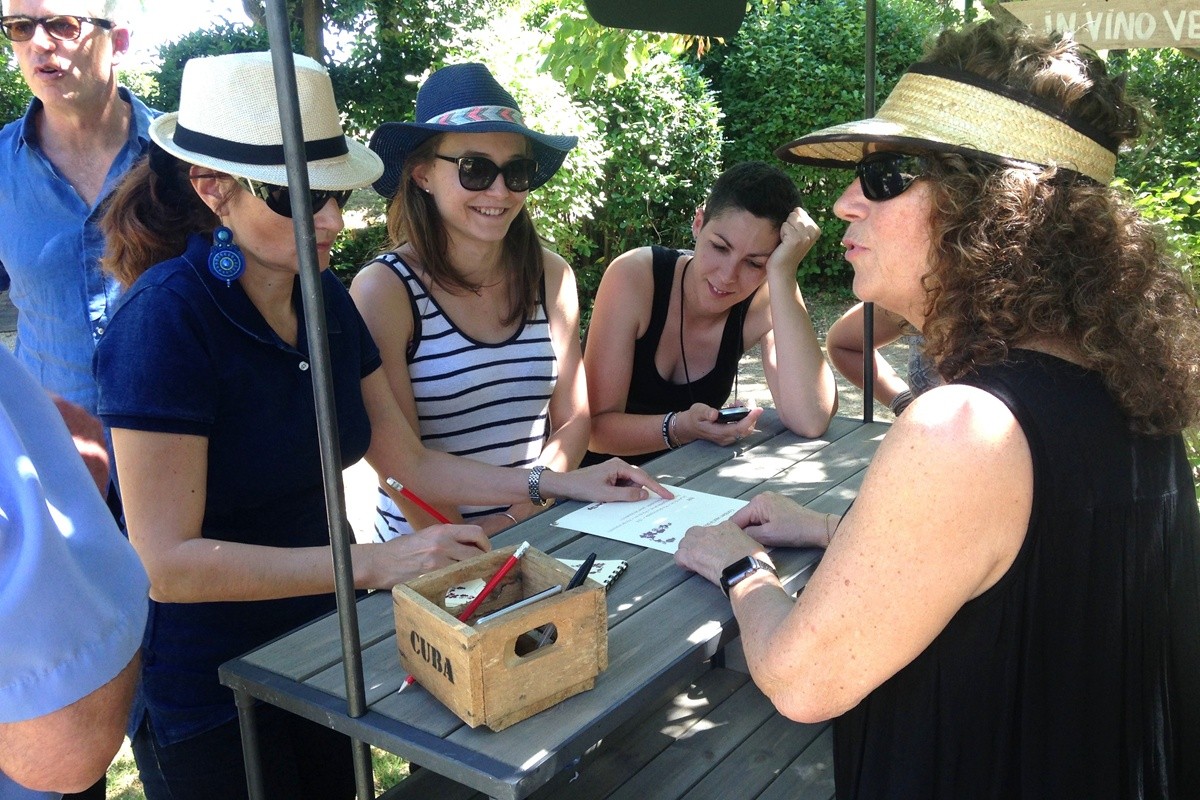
(150,216)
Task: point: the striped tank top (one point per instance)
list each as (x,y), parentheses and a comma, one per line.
(489,402)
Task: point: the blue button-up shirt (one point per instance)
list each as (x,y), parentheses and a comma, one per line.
(73,606)
(50,248)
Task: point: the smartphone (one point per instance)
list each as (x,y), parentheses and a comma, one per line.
(732,414)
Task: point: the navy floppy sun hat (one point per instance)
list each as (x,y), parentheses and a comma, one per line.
(462,98)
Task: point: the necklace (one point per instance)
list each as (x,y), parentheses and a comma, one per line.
(683,352)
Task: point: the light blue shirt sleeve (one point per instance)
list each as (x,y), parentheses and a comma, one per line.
(73,595)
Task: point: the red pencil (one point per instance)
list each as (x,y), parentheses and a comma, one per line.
(479,598)
(411,495)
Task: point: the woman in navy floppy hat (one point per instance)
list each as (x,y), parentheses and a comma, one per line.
(476,321)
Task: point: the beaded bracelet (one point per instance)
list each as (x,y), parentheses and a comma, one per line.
(900,402)
(666,430)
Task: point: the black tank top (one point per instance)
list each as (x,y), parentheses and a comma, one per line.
(651,393)
(1078,674)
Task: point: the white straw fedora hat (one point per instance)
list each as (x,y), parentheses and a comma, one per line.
(228,120)
(939,108)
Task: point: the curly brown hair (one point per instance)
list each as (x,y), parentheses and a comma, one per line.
(1023,254)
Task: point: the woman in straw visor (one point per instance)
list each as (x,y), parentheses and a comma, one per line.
(205,383)
(1038,636)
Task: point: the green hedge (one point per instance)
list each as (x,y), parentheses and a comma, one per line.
(661,129)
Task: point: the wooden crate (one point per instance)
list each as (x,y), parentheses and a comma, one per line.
(487,674)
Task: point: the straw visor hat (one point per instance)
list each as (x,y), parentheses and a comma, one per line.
(228,120)
(463,98)
(939,108)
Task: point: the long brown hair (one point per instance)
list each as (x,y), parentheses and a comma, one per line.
(413,219)
(150,216)
(1020,253)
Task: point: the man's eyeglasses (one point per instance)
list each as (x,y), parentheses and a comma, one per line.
(279,198)
(476,173)
(63,27)
(887,174)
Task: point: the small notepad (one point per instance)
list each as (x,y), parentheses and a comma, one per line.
(602,572)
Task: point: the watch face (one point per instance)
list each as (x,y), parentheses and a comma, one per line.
(738,571)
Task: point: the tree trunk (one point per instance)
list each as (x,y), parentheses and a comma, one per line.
(313,22)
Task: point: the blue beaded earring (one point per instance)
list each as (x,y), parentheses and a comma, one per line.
(225,259)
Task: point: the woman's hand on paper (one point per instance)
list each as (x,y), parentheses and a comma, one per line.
(614,480)
(775,521)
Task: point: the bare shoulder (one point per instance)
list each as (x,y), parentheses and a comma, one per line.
(375,277)
(381,297)
(631,268)
(960,455)
(559,275)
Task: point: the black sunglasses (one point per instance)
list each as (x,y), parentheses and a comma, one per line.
(887,174)
(279,198)
(63,27)
(476,173)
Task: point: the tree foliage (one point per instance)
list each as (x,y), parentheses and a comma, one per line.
(14,94)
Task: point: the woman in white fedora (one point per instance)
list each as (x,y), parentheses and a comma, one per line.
(477,323)
(1011,608)
(205,384)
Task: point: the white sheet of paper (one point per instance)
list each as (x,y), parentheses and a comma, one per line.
(655,522)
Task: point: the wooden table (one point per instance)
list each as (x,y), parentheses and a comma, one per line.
(665,624)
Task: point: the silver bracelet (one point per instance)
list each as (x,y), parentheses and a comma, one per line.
(510,516)
(535,486)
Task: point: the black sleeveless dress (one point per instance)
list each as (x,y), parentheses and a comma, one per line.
(1078,674)
(651,393)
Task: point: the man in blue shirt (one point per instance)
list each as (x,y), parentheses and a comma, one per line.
(72,603)
(57,165)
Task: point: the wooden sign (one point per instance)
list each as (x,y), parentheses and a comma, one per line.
(1115,24)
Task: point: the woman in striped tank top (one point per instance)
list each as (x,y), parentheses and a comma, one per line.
(477,323)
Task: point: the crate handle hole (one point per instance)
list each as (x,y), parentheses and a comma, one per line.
(535,639)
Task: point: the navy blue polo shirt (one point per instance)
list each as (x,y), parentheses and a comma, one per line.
(184,353)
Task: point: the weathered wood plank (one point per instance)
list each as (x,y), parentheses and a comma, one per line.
(318,645)
(756,762)
(809,776)
(685,763)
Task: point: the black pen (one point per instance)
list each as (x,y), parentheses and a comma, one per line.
(576,580)
(581,574)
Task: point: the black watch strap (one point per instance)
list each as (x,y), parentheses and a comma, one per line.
(741,569)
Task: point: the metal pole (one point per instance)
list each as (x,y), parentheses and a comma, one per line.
(318,347)
(869,308)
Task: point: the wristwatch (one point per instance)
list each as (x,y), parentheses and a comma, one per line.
(741,569)
(535,486)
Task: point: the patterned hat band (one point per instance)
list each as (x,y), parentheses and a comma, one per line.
(953,110)
(468,116)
